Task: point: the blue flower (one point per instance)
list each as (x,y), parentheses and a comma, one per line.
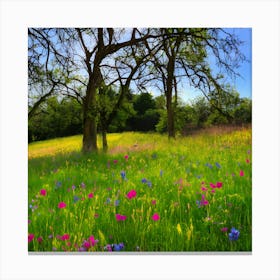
(161,173)
(144,181)
(75,198)
(117,202)
(218,165)
(123,175)
(209,165)
(234,234)
(149,184)
(117,247)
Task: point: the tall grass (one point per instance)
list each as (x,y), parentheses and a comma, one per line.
(190,193)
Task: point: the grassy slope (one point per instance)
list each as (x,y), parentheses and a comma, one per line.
(176,170)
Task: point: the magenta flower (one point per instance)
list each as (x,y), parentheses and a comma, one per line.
(61,204)
(154,202)
(30,237)
(131,194)
(43,192)
(204,189)
(241,173)
(219,184)
(156,217)
(92,241)
(65,236)
(224,229)
(115,161)
(120,217)
(213,186)
(90,195)
(126,157)
(40,239)
(203,200)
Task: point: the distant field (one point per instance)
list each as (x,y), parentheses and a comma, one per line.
(147,194)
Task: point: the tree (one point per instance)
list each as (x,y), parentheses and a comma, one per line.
(78,58)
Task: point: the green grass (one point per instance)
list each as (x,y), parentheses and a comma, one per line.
(175,169)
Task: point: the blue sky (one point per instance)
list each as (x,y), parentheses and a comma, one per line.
(242,84)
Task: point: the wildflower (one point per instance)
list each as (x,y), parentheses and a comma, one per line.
(120,217)
(90,195)
(108,200)
(234,234)
(154,202)
(156,217)
(65,237)
(61,204)
(117,247)
(117,202)
(131,194)
(224,229)
(161,173)
(50,236)
(43,192)
(83,185)
(204,189)
(108,248)
(76,198)
(96,215)
(144,180)
(30,237)
(209,165)
(247,160)
(123,175)
(219,184)
(213,186)
(115,161)
(73,187)
(241,173)
(126,157)
(203,200)
(92,241)
(149,184)
(218,165)
(40,239)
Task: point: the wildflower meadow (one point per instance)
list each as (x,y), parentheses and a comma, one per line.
(146,194)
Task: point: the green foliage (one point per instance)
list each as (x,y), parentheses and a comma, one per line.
(55,119)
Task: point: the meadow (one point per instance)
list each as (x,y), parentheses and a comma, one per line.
(146,194)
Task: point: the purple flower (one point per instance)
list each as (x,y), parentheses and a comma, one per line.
(144,181)
(123,175)
(234,234)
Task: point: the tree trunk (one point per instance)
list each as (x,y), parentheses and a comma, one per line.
(104,140)
(90,125)
(169,87)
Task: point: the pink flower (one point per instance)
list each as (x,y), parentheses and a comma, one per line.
(90,195)
(131,194)
(40,239)
(65,236)
(219,184)
(115,161)
(212,185)
(86,244)
(156,217)
(154,202)
(30,237)
(120,217)
(224,229)
(204,189)
(126,157)
(213,191)
(241,173)
(91,240)
(43,192)
(61,204)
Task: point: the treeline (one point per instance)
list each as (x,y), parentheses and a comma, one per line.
(138,112)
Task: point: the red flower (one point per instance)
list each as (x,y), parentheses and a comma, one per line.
(65,236)
(30,237)
(43,192)
(40,239)
(61,204)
